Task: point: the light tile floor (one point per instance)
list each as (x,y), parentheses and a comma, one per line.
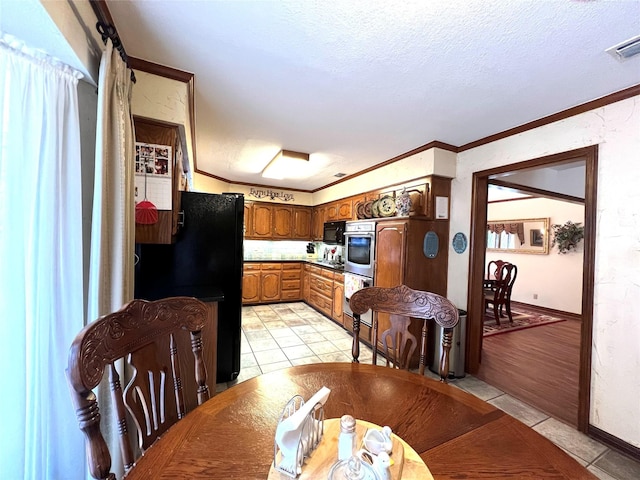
(287,334)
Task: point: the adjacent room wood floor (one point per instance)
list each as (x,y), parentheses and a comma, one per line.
(537,365)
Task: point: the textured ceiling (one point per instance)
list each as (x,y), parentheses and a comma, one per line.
(356,83)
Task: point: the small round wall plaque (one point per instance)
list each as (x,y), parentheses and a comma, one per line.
(459,242)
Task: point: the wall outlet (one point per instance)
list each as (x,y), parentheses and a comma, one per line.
(535,296)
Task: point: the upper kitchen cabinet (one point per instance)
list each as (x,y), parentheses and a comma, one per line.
(319,216)
(340,210)
(266,221)
(282,223)
(301,223)
(248,220)
(437,198)
(262,220)
(159,173)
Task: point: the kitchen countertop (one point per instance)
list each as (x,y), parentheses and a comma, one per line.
(311,261)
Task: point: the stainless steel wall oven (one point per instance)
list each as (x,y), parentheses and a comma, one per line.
(359,261)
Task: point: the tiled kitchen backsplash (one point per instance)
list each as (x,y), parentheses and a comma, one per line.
(275,250)
(285,250)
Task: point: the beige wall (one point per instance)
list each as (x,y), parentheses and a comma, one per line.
(615,379)
(555,279)
(433,161)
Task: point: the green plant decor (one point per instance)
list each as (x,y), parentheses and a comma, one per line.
(567,236)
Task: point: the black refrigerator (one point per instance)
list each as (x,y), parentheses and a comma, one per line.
(204,262)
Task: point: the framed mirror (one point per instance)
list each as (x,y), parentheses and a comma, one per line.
(529,235)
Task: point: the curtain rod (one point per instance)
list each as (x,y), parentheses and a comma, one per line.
(109,31)
(106,29)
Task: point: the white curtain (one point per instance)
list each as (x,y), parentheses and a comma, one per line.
(113,222)
(41,289)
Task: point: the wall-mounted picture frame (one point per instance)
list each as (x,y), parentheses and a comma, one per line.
(537,238)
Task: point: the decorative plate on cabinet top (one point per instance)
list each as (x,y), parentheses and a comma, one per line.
(375,213)
(386,206)
(368,213)
(360,210)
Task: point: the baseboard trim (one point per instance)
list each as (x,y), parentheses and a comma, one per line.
(614,442)
(549,311)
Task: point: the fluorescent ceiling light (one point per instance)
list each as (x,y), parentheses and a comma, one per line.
(287,164)
(626,49)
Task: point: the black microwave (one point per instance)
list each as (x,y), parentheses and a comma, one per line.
(334,233)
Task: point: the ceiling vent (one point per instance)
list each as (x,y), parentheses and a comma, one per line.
(340,175)
(625,50)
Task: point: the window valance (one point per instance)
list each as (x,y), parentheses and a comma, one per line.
(514,228)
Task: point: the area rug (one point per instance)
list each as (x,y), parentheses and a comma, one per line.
(522,319)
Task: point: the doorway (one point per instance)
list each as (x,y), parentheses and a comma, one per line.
(477,266)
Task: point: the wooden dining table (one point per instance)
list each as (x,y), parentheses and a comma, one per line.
(457,435)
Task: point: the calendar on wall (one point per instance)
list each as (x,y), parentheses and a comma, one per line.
(153,174)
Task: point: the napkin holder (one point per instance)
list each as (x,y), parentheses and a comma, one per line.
(299,431)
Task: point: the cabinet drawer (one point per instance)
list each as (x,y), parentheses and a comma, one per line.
(326,273)
(271,266)
(251,266)
(291,274)
(338,277)
(321,285)
(321,303)
(314,270)
(291,266)
(290,295)
(291,284)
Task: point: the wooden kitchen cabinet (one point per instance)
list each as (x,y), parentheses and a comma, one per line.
(318,218)
(291,289)
(437,187)
(261,282)
(266,221)
(321,290)
(301,223)
(400,260)
(248,220)
(282,223)
(338,297)
(251,283)
(160,133)
(306,283)
(262,221)
(270,282)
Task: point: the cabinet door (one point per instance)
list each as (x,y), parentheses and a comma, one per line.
(270,286)
(282,222)
(262,221)
(345,210)
(306,285)
(302,223)
(390,262)
(251,287)
(390,254)
(332,212)
(319,214)
(248,220)
(338,301)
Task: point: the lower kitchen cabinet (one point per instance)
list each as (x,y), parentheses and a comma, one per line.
(271,282)
(291,282)
(251,283)
(338,297)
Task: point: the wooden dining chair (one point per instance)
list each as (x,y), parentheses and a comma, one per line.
(404,304)
(148,335)
(500,297)
(494,269)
